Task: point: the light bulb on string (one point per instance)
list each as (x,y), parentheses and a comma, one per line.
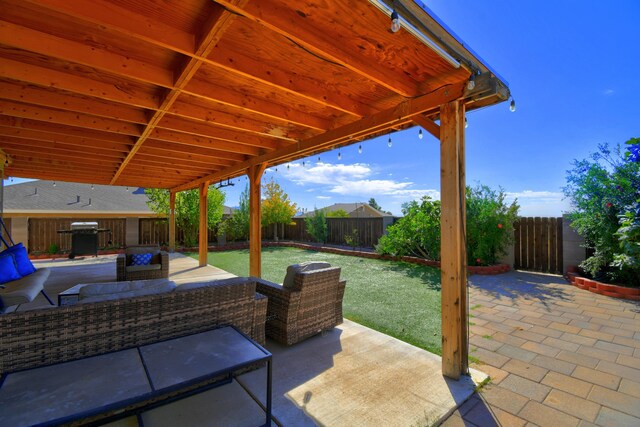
(303,163)
(471,84)
(54,183)
(395,22)
(127,189)
(339,155)
(512,105)
(389,143)
(319,159)
(287,166)
(92,187)
(359,149)
(466,123)
(276,170)
(420,134)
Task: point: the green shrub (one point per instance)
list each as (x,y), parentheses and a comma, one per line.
(489,228)
(604,191)
(53,249)
(352,239)
(317,226)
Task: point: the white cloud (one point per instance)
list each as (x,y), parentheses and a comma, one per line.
(323,197)
(551,196)
(608,92)
(540,203)
(326,173)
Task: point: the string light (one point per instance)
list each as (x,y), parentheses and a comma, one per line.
(395,22)
(512,105)
(54,183)
(471,84)
(466,123)
(389,143)
(303,163)
(127,189)
(339,155)
(420,134)
(92,186)
(319,159)
(359,149)
(287,166)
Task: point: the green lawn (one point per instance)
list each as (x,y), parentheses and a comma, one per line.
(397,298)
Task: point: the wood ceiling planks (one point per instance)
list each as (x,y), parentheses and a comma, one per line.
(164,94)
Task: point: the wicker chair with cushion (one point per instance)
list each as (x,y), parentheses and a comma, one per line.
(308,302)
(135,264)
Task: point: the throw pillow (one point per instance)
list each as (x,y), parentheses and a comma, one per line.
(141,259)
(23,264)
(8,269)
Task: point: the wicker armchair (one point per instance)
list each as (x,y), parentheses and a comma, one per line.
(312,304)
(157,269)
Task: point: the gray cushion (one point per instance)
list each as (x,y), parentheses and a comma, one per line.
(294,269)
(24,290)
(159,288)
(148,267)
(110,288)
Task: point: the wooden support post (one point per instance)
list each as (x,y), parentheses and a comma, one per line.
(255,221)
(172,221)
(453,253)
(203,248)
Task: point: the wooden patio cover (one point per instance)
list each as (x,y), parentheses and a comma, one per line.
(180,94)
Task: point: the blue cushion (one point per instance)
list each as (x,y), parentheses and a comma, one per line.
(8,269)
(25,267)
(141,259)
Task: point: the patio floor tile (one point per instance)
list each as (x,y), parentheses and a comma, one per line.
(525,370)
(613,399)
(565,383)
(572,405)
(596,377)
(553,364)
(543,415)
(525,387)
(611,418)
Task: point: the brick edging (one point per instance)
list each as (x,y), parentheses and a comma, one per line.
(613,291)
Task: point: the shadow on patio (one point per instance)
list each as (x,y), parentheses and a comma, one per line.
(351,375)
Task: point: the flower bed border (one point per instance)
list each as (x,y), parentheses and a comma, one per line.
(613,291)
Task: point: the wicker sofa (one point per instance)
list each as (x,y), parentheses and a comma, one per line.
(157,269)
(42,337)
(307,303)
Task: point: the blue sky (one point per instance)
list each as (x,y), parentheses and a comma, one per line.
(574,71)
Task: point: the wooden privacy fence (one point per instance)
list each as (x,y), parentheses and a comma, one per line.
(154,230)
(43,233)
(538,244)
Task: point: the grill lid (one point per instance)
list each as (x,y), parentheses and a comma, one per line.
(84,226)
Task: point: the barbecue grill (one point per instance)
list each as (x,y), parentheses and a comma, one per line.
(84,238)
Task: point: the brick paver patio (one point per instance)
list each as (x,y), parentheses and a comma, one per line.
(557,355)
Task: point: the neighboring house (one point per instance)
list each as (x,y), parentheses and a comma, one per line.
(36,210)
(355,210)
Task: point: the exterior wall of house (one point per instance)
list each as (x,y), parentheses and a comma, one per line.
(20,230)
(573,251)
(132,231)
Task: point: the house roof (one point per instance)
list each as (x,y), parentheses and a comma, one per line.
(52,197)
(349,208)
(171,94)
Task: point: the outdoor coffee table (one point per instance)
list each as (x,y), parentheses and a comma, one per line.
(127,382)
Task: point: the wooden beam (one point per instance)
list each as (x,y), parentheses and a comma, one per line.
(332,46)
(453,251)
(383,120)
(46,77)
(255,222)
(172,221)
(428,125)
(203,247)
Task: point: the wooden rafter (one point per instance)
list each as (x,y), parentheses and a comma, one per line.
(383,120)
(218,24)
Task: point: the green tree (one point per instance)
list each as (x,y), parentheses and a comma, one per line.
(602,189)
(316,225)
(239,222)
(374,204)
(188,209)
(276,207)
(338,213)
